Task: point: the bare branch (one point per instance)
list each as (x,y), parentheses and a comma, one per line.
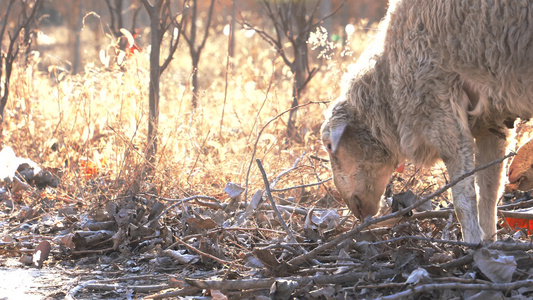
(302,186)
(5,19)
(174,41)
(261,132)
(273,203)
(206,33)
(459,286)
(329,15)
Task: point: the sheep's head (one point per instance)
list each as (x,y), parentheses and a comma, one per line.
(360,163)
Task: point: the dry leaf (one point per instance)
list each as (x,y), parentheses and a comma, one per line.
(233,190)
(65,240)
(180,257)
(217,295)
(497,267)
(326,292)
(440,258)
(521,170)
(266,257)
(201,223)
(41,254)
(128,36)
(330,218)
(346,264)
(282,289)
(418,275)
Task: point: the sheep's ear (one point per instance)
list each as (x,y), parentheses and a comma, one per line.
(336,135)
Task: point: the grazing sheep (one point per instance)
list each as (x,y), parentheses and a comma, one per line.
(444,79)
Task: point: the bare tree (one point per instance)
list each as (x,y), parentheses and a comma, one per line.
(190,35)
(76,63)
(293,21)
(231,44)
(162,20)
(116,10)
(18,38)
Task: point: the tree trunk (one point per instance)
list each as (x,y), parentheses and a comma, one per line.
(299,66)
(324,10)
(195,60)
(76,62)
(153,102)
(231,46)
(300,73)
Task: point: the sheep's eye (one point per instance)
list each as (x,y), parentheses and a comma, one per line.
(329,147)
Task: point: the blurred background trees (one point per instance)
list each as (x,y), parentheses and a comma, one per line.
(69,35)
(17,32)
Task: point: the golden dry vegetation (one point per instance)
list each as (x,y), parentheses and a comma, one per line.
(101,116)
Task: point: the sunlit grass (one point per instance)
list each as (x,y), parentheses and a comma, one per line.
(101,115)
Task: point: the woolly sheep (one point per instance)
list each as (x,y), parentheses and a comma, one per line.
(443,80)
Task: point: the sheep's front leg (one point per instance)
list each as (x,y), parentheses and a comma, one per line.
(457,163)
(489,148)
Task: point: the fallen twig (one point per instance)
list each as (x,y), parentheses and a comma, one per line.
(231,229)
(221,261)
(458,262)
(510,246)
(459,286)
(178,202)
(275,181)
(186,291)
(430,240)
(403,284)
(261,132)
(319,158)
(265,283)
(302,186)
(136,288)
(518,203)
(517,214)
(269,194)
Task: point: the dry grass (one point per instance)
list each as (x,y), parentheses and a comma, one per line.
(101,116)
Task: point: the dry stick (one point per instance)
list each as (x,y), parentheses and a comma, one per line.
(301,186)
(100,285)
(197,157)
(221,261)
(517,215)
(458,262)
(443,213)
(518,203)
(135,288)
(320,159)
(210,232)
(459,286)
(275,181)
(178,202)
(317,196)
(422,238)
(290,209)
(403,284)
(252,129)
(336,241)
(265,283)
(261,132)
(274,207)
(183,292)
(230,35)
